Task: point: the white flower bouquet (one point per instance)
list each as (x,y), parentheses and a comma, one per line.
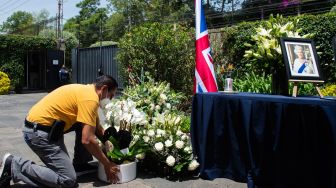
(169,148)
(121,118)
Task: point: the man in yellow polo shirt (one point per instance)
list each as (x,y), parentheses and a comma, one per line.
(45,125)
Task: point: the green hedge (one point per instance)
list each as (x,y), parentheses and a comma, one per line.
(13,50)
(232,40)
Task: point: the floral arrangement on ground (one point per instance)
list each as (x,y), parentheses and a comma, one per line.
(160,138)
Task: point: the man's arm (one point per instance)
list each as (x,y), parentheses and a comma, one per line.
(90,143)
(99,129)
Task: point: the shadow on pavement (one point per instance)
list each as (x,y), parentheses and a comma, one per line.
(91,178)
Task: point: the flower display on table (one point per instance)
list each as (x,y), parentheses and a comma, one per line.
(265,48)
(265,51)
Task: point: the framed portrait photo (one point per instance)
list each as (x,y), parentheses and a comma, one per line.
(301,60)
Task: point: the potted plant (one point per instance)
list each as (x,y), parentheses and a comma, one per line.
(121,147)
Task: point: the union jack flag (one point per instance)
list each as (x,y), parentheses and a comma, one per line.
(205,78)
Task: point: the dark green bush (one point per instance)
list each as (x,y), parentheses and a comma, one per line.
(166,51)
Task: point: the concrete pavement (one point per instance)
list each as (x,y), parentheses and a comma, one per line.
(13,109)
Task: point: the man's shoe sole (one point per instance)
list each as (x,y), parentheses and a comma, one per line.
(4,163)
(4,181)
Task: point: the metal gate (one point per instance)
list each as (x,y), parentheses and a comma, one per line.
(86,63)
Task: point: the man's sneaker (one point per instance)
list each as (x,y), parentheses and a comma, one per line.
(5,170)
(86,168)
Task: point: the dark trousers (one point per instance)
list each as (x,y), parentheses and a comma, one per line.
(81,155)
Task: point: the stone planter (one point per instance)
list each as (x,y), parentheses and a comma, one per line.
(127,172)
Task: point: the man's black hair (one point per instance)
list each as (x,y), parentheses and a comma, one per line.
(107,80)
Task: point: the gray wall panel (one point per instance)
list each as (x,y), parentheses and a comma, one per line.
(86,62)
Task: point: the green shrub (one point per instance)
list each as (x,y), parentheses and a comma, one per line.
(15,72)
(304,89)
(4,83)
(166,51)
(252,82)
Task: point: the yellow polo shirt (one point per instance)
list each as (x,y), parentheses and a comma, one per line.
(71,103)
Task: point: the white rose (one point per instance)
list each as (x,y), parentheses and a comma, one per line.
(184,137)
(179,144)
(150,133)
(152,106)
(179,133)
(193,165)
(187,149)
(136,137)
(168,143)
(163,96)
(158,146)
(170,160)
(140,156)
(145,138)
(168,105)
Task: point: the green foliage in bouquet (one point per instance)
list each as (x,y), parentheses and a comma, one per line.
(265,51)
(135,150)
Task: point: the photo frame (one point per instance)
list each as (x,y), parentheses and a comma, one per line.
(301,60)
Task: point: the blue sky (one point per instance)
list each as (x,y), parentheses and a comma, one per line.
(8,7)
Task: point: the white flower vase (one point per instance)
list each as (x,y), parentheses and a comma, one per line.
(127,172)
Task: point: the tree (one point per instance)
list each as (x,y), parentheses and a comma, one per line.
(87,24)
(115,26)
(127,14)
(19,23)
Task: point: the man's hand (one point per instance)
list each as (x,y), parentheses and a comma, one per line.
(112,171)
(90,143)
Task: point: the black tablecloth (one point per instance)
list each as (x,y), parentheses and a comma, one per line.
(265,140)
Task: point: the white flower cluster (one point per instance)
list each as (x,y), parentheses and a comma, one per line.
(124,111)
(168,142)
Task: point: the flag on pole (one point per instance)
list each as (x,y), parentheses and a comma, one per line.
(205,78)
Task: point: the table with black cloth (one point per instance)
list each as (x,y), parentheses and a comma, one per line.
(265,140)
